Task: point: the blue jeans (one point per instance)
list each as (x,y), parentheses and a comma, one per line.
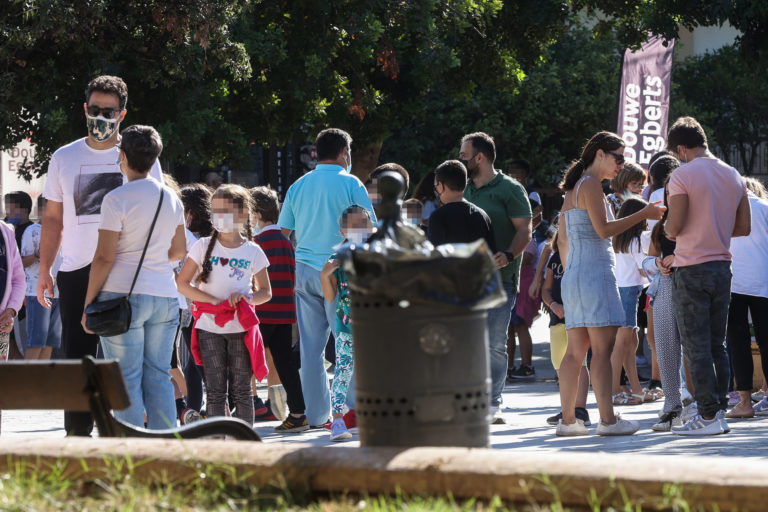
(316,318)
(498,323)
(43,325)
(701,297)
(144,354)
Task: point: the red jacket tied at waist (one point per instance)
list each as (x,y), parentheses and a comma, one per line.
(223,313)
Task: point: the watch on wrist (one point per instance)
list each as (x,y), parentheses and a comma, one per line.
(509,256)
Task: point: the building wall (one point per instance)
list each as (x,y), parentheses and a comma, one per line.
(704,39)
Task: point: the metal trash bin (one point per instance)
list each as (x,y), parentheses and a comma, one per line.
(419,327)
(421,374)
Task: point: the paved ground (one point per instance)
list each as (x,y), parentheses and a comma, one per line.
(527,405)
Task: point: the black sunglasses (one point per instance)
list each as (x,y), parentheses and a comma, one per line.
(109,113)
(618,156)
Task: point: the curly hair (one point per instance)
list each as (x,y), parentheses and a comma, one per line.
(110,85)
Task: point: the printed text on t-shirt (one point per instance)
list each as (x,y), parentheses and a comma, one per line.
(237,265)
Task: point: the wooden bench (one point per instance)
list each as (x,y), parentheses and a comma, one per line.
(97,386)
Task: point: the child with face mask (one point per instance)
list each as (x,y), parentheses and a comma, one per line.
(356,226)
(231,276)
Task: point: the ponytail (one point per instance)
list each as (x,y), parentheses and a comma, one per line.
(572,175)
(207,265)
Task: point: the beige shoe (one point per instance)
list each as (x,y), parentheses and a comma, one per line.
(622,427)
(574,429)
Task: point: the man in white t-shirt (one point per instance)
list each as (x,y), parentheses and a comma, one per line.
(80,174)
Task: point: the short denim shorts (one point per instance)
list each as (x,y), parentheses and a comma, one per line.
(629,297)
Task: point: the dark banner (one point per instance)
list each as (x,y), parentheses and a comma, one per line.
(644,99)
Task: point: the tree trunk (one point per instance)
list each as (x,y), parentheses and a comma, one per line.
(365,159)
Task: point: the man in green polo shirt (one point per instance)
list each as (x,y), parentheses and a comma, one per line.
(506,203)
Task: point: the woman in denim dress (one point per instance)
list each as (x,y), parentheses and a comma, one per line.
(591,300)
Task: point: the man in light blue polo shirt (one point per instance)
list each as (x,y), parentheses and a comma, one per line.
(312,208)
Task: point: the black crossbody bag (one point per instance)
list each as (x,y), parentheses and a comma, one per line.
(113,317)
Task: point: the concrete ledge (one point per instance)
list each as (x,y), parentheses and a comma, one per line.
(708,482)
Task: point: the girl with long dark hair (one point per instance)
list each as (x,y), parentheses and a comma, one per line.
(591,300)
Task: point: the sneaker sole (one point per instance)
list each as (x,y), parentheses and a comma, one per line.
(699,433)
(560,433)
(520,377)
(342,437)
(616,434)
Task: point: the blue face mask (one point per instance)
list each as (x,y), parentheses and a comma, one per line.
(14,220)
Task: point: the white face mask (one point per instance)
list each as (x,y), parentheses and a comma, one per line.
(357,236)
(223,222)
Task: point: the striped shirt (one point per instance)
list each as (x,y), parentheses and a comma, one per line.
(282,276)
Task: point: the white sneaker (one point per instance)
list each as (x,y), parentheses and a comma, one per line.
(574,429)
(723,424)
(339,430)
(698,426)
(496,417)
(278,401)
(622,427)
(761,408)
(667,420)
(690,411)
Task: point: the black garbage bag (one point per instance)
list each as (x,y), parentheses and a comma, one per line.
(402,265)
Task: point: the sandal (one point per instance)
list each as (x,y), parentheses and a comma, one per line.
(626,399)
(731,415)
(648,396)
(642,398)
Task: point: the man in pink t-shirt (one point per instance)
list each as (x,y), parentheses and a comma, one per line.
(707,206)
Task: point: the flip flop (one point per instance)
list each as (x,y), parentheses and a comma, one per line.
(732,416)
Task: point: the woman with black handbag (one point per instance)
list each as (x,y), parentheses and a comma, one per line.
(132,298)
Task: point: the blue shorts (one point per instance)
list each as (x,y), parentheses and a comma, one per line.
(43,325)
(629,297)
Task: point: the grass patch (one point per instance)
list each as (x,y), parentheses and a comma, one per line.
(43,486)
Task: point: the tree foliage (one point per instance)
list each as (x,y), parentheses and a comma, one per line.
(567,97)
(369,66)
(177,58)
(216,75)
(728,94)
(632,20)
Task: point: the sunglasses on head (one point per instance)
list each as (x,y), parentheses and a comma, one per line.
(108,113)
(618,156)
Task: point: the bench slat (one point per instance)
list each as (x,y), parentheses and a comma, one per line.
(57,384)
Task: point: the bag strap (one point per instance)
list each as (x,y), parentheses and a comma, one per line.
(146,244)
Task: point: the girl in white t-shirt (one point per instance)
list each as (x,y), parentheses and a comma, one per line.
(231,278)
(631,281)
